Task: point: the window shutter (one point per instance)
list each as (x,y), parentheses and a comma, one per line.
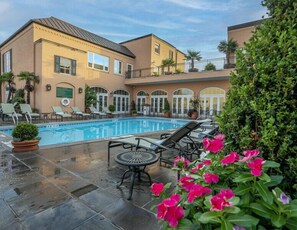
(57,64)
(73,67)
(10,51)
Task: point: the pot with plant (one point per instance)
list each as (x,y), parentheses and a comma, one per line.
(166,108)
(193,112)
(25,137)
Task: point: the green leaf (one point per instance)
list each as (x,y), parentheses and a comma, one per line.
(265,177)
(210,217)
(261,210)
(226,225)
(264,192)
(167,186)
(292,223)
(275,180)
(233,210)
(291,210)
(278,220)
(241,190)
(243,220)
(243,178)
(271,164)
(235,200)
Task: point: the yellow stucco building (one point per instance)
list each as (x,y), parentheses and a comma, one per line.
(66,58)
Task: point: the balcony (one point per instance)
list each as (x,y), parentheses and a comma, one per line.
(181,72)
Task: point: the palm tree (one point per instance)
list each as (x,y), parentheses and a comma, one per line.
(193,55)
(7,77)
(168,62)
(29,77)
(228,48)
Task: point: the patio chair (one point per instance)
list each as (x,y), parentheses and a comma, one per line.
(107,111)
(95,112)
(155,145)
(58,112)
(27,111)
(78,113)
(8,110)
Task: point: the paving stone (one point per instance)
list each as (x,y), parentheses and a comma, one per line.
(97,222)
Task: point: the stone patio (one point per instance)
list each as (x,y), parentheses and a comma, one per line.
(71,187)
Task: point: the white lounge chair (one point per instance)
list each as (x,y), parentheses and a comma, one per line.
(77,112)
(95,112)
(58,111)
(27,111)
(8,110)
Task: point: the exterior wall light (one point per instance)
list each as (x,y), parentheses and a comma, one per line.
(48,87)
(80,90)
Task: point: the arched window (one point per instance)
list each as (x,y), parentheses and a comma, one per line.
(157,101)
(102,98)
(212,100)
(141,100)
(181,101)
(121,100)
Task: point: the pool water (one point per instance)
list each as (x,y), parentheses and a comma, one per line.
(53,133)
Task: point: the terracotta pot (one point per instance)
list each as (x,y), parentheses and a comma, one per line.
(194,115)
(25,146)
(167,114)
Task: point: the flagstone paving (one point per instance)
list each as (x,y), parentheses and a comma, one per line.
(71,187)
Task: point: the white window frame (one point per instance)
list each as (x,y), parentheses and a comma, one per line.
(131,74)
(158,50)
(7,65)
(104,63)
(118,67)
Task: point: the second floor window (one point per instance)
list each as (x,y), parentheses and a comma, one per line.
(118,67)
(7,62)
(65,65)
(170,54)
(157,48)
(98,61)
(129,73)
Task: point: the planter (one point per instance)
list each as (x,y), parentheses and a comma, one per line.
(25,146)
(167,114)
(194,115)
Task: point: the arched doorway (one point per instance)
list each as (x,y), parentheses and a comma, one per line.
(102,98)
(181,101)
(121,101)
(157,101)
(140,101)
(212,101)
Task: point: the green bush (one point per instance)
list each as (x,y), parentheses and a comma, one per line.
(260,111)
(166,106)
(210,66)
(25,132)
(111,108)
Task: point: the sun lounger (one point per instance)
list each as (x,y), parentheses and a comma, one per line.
(58,112)
(27,111)
(95,112)
(77,112)
(8,110)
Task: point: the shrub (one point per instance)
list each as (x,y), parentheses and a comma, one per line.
(210,66)
(111,108)
(166,106)
(260,111)
(25,132)
(224,190)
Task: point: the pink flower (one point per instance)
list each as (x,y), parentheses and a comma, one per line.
(213,145)
(168,211)
(186,182)
(219,137)
(181,161)
(249,154)
(196,168)
(219,202)
(230,159)
(211,178)
(256,166)
(207,162)
(157,188)
(197,191)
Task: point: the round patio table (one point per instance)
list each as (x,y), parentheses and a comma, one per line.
(137,162)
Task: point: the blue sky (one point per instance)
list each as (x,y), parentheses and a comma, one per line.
(187,24)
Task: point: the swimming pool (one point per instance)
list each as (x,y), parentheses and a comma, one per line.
(60,133)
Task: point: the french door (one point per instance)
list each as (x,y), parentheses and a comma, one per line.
(140,101)
(101,101)
(181,104)
(157,104)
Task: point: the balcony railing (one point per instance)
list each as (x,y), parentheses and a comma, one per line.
(180,68)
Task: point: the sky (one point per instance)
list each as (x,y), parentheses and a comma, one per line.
(187,24)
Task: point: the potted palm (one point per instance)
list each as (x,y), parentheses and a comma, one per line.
(228,48)
(192,56)
(193,112)
(166,108)
(25,137)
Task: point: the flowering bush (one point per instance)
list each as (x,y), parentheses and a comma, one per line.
(226,191)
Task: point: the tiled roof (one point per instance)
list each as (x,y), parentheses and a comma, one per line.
(67,28)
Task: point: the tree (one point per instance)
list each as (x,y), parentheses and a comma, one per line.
(168,62)
(90,97)
(7,77)
(193,55)
(228,48)
(30,78)
(260,111)
(210,66)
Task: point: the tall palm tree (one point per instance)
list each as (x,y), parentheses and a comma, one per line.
(168,62)
(228,48)
(7,77)
(193,55)
(29,77)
